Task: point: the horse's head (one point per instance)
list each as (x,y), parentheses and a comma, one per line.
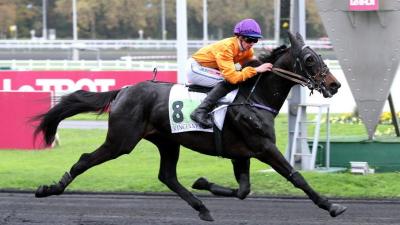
(310,65)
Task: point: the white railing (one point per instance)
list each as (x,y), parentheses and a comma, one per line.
(132,44)
(31,65)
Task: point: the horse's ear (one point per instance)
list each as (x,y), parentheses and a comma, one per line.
(300,39)
(295,44)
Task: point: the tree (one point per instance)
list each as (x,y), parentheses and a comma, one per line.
(315,28)
(122,19)
(224,14)
(8,17)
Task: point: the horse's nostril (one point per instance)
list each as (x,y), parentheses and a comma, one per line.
(335,86)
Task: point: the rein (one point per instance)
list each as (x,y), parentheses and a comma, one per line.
(285,74)
(282,73)
(307,80)
(290,76)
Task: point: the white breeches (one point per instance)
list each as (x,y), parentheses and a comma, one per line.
(200,75)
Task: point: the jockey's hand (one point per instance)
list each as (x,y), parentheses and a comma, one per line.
(264,68)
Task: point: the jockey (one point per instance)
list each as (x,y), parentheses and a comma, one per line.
(215,66)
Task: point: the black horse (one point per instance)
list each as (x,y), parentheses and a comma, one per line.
(141,111)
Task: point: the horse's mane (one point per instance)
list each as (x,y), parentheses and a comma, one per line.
(271,57)
(268,56)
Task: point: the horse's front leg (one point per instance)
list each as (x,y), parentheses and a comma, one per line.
(272,156)
(241,170)
(169,153)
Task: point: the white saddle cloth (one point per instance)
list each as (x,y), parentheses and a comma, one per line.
(182,102)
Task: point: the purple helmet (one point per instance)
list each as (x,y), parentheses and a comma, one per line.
(248,27)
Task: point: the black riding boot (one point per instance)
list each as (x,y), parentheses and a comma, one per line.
(201,113)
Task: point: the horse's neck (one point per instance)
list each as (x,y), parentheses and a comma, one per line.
(272,89)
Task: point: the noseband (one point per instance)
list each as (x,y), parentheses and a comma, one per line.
(312,82)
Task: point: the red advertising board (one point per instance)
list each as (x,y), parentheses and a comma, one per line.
(68,81)
(363,5)
(17,109)
(19,101)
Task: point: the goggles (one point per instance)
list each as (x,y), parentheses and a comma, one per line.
(250,40)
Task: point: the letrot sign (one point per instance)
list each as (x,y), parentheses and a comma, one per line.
(367,44)
(363,5)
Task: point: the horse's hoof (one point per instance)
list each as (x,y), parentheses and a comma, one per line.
(45,191)
(336,209)
(201,184)
(40,192)
(206,216)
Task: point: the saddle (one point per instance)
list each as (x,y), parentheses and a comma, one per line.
(198,88)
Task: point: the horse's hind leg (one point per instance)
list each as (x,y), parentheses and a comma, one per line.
(87,160)
(121,139)
(169,153)
(241,170)
(275,159)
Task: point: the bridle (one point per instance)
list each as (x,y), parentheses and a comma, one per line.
(300,75)
(305,79)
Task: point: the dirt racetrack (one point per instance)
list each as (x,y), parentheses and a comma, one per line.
(132,209)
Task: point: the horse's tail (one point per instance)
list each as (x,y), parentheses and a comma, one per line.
(70,105)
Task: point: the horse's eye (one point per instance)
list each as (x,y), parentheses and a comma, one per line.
(309,60)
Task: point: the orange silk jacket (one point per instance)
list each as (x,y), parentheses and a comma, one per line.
(223,55)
